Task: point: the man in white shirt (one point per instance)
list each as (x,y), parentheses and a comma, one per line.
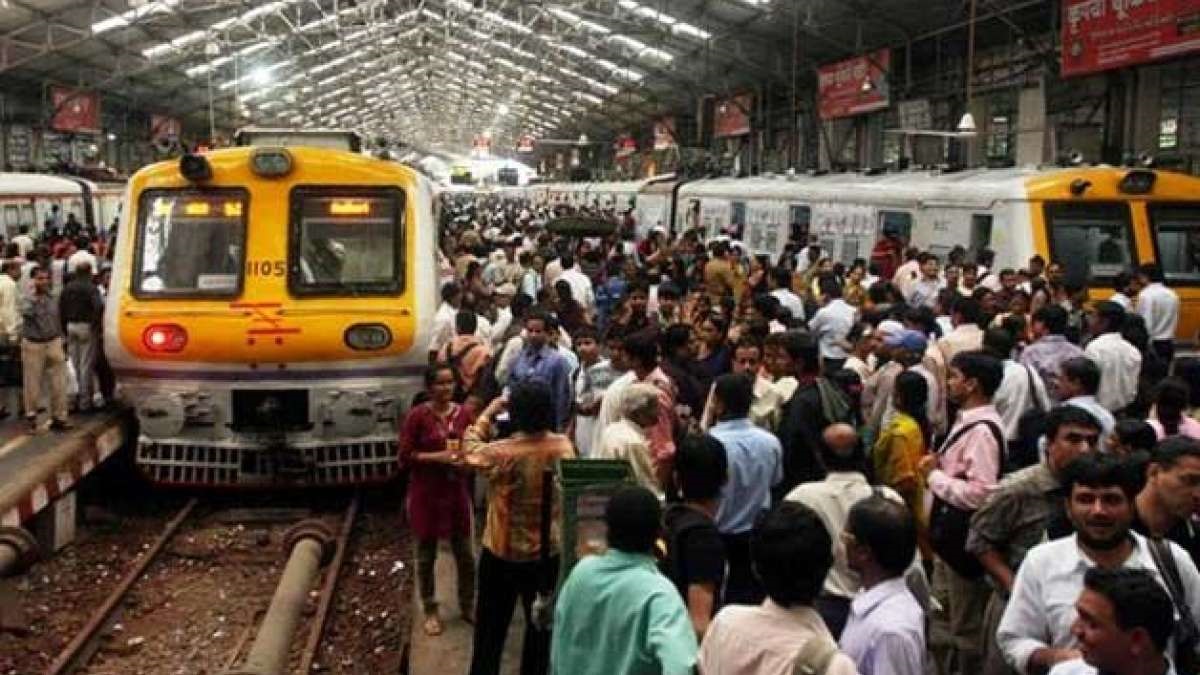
(781,282)
(790,549)
(581,285)
(1126,620)
(1120,362)
(1036,631)
(1159,306)
(831,499)
(1021,389)
(443,320)
(626,438)
(83,253)
(908,272)
(23,241)
(923,292)
(831,324)
(1123,291)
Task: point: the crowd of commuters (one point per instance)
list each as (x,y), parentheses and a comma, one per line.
(901,465)
(52,293)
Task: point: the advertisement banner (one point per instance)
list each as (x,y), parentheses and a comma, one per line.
(854,86)
(525,144)
(1100,35)
(481,145)
(20,146)
(731,116)
(163,126)
(74,111)
(664,133)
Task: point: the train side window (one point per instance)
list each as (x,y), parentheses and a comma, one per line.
(737,218)
(901,220)
(1176,231)
(12,217)
(1093,241)
(27,215)
(799,217)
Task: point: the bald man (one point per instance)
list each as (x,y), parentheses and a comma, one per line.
(843,486)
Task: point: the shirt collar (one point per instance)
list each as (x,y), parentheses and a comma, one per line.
(1140,554)
(801,614)
(845,477)
(739,423)
(618,558)
(868,600)
(976,413)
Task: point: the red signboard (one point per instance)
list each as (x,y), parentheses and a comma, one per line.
(854,86)
(625,146)
(731,116)
(1104,34)
(664,133)
(162,126)
(74,110)
(481,145)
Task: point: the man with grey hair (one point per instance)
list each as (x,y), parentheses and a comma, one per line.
(626,438)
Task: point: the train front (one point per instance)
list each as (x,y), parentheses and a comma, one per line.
(269,315)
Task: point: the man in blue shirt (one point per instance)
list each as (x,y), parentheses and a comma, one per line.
(755,461)
(539,360)
(616,613)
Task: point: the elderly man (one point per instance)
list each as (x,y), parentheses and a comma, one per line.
(626,438)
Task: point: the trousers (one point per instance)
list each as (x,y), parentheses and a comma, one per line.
(81,347)
(501,582)
(741,586)
(38,358)
(464,564)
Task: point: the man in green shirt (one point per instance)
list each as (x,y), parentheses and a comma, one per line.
(616,613)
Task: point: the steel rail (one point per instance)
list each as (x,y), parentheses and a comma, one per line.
(328,588)
(66,660)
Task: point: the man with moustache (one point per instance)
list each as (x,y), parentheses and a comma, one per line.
(1035,632)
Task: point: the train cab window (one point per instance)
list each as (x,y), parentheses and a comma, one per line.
(346,241)
(901,220)
(1093,241)
(190,242)
(1176,230)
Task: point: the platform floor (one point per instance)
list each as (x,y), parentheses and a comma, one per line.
(37,468)
(450,652)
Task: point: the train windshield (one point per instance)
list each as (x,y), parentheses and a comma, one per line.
(191,242)
(1176,229)
(1093,241)
(346,241)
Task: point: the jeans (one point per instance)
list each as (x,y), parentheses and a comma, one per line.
(501,582)
(464,563)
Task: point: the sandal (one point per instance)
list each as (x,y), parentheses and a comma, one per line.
(432,625)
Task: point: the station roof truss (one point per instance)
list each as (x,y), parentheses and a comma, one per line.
(443,72)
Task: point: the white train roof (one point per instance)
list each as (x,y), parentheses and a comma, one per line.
(972,188)
(37,183)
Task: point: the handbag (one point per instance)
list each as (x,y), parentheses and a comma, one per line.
(949,525)
(1186,636)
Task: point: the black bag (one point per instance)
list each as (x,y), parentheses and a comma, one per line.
(949,525)
(1186,636)
(1031,426)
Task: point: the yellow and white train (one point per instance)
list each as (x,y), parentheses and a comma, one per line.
(269,314)
(1095,220)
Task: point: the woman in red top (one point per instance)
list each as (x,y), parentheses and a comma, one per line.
(439,492)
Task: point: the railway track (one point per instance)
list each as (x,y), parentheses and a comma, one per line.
(199,593)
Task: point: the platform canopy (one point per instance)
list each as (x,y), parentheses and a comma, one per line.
(450,71)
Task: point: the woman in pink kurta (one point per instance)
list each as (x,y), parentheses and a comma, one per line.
(439,491)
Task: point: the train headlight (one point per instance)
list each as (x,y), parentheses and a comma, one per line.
(368,336)
(271,162)
(195,168)
(164,338)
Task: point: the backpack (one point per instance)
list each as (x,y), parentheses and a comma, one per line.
(949,525)
(1031,426)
